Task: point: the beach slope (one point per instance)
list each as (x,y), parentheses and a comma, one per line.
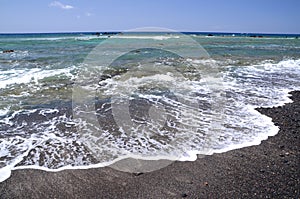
(269,170)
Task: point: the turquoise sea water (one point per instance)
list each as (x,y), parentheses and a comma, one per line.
(207,101)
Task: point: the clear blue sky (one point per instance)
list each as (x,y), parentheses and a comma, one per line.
(267,16)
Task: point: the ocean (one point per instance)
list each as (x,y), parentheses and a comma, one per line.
(82,100)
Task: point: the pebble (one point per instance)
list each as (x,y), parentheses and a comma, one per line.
(184,195)
(138,174)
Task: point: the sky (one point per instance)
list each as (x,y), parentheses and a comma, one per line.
(245,16)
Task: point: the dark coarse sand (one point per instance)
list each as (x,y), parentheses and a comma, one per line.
(269,170)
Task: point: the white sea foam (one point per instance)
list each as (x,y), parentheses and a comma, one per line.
(5,173)
(23,76)
(4,111)
(244,88)
(16,54)
(155,37)
(46,38)
(91,37)
(48,111)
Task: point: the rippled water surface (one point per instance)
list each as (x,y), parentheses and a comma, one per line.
(175,107)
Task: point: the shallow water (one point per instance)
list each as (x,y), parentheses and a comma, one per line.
(149,103)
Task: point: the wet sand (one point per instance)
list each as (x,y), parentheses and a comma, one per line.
(269,170)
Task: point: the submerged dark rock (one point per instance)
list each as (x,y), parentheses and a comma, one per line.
(8,51)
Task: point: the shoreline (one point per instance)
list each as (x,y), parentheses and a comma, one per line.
(268,170)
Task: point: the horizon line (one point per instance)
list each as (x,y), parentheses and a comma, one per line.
(180,31)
